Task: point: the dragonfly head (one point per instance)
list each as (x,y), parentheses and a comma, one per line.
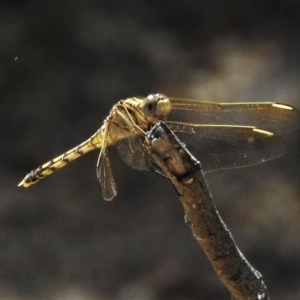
(156,106)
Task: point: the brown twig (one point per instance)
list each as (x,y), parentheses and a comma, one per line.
(236,273)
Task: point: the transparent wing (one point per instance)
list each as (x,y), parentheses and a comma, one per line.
(105,176)
(277,118)
(226,147)
(128,138)
(130,149)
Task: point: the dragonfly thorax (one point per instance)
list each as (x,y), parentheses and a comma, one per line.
(156,106)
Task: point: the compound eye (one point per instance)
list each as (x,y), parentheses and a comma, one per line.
(149,106)
(156,106)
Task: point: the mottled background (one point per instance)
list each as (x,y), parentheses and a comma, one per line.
(63,64)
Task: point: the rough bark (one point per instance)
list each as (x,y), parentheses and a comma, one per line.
(184,171)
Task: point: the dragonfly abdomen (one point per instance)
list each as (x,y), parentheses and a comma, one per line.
(94,142)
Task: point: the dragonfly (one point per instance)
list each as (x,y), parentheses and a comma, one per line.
(223,135)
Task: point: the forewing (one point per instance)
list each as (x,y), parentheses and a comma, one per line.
(105,176)
(274,117)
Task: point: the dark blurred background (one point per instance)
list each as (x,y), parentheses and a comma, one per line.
(63,65)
